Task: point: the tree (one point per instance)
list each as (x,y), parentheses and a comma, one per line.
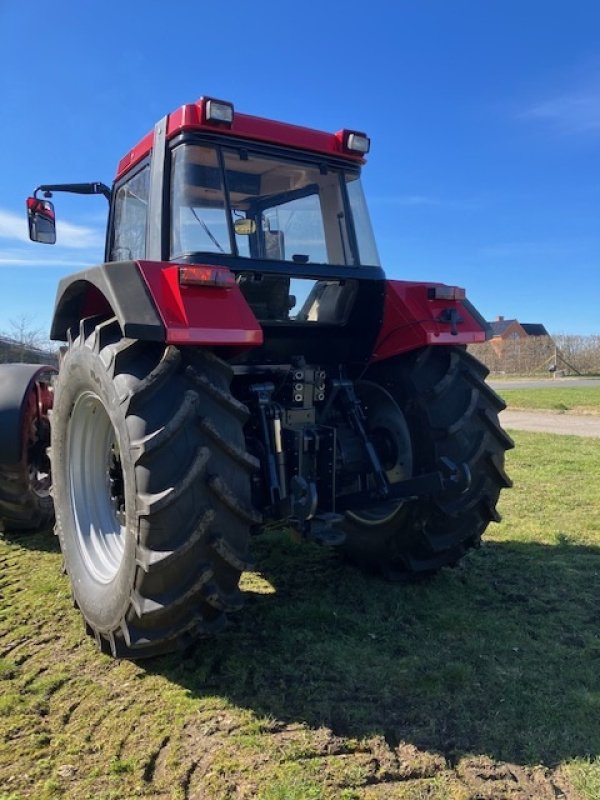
(24,342)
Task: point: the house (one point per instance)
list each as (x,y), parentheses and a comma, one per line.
(515,332)
(504,329)
(517,348)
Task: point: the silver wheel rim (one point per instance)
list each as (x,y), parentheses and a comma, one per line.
(96,487)
(384,414)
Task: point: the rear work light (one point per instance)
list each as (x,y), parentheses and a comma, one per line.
(356,142)
(446,293)
(218,111)
(218,277)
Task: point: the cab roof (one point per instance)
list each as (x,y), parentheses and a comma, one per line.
(193,117)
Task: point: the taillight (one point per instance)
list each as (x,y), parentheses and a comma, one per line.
(205,275)
(446,293)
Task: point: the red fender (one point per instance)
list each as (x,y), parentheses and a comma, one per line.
(25,398)
(209,315)
(151,304)
(420,314)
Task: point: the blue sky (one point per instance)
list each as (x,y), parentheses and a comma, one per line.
(484,119)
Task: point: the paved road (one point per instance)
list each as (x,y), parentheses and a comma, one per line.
(547,422)
(547,383)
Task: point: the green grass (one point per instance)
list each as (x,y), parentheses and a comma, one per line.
(331,685)
(581,400)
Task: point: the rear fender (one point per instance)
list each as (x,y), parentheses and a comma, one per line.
(25,397)
(414,317)
(150,305)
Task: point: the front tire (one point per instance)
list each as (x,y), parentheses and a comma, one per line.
(450,413)
(151,489)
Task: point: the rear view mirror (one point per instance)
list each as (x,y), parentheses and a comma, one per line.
(244,227)
(42,223)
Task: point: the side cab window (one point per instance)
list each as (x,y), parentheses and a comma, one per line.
(130,217)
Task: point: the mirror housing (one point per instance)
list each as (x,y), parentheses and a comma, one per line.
(41,220)
(244,227)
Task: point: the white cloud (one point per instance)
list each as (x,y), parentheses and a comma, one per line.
(77,237)
(576,112)
(13,226)
(26,260)
(406,200)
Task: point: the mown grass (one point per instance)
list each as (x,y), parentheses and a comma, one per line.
(481,683)
(580,400)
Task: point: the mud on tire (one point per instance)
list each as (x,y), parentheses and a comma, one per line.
(450,412)
(152,486)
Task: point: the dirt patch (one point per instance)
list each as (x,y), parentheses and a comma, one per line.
(490,780)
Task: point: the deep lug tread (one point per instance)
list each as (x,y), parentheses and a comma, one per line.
(451,413)
(155,380)
(184,415)
(153,503)
(242,457)
(243,563)
(444,383)
(154,560)
(154,607)
(490,510)
(228,602)
(87,334)
(223,492)
(502,477)
(493,397)
(239,410)
(491,420)
(189,501)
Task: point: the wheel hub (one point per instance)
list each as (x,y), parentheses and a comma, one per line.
(96,487)
(388,431)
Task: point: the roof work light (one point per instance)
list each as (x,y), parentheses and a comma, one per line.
(218,111)
(356,142)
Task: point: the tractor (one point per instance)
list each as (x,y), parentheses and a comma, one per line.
(238,363)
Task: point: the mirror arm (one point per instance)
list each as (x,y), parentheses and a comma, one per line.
(75,188)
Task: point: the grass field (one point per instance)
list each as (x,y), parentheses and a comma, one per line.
(481,684)
(585,400)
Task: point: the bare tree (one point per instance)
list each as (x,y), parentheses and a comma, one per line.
(560,354)
(25,342)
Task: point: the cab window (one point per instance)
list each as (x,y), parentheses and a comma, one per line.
(131,211)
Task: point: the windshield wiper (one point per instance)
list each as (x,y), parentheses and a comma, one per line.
(207,230)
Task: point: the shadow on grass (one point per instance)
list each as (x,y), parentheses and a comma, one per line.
(500,656)
(42,541)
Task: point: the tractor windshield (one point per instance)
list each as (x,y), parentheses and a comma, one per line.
(233,201)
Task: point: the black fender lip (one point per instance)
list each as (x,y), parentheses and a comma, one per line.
(15,382)
(116,287)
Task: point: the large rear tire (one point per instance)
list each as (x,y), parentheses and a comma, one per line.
(451,413)
(151,489)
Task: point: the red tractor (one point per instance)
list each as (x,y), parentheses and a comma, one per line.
(240,361)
